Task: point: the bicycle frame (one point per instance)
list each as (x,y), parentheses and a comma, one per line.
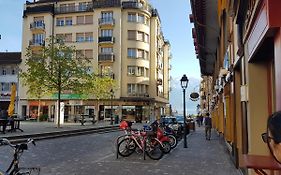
(14,168)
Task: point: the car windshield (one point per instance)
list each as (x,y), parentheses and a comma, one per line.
(179,119)
(169,120)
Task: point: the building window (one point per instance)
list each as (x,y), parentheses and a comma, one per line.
(132,53)
(146,38)
(79,54)
(131,70)
(60,21)
(107,50)
(106,33)
(140,53)
(68,21)
(132,17)
(79,37)
(89,19)
(132,35)
(89,53)
(68,37)
(140,71)
(38,38)
(141,19)
(4,71)
(140,36)
(13,71)
(131,88)
(89,36)
(80,20)
(5,86)
(82,6)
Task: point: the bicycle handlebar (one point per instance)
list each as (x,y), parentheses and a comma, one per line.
(4,141)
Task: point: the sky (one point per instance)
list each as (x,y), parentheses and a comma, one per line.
(176,28)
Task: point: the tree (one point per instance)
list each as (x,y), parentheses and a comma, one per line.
(55,68)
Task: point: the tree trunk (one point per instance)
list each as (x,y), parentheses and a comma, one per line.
(59,99)
(39,109)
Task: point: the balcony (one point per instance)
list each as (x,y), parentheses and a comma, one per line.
(106,39)
(37,25)
(74,9)
(106,21)
(36,43)
(106,57)
(106,3)
(135,5)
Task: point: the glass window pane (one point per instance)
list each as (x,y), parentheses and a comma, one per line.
(80,20)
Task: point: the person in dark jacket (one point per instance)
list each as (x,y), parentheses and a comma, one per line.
(208,126)
(4,122)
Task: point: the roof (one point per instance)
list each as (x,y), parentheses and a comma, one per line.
(10,57)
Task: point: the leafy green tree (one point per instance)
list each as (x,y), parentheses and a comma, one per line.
(55,68)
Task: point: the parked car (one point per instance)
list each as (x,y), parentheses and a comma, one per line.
(189,123)
(172,123)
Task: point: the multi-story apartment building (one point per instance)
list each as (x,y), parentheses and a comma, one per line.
(9,66)
(238,45)
(124,40)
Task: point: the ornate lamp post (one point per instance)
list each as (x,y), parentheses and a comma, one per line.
(111,110)
(184,83)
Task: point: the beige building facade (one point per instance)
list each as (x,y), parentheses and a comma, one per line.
(122,38)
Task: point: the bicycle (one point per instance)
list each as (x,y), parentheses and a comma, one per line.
(14,168)
(140,141)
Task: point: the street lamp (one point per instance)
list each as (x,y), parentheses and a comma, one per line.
(184,83)
(111,111)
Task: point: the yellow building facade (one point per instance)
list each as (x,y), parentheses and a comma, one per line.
(122,38)
(244,65)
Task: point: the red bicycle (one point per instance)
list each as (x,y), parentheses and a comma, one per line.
(139,141)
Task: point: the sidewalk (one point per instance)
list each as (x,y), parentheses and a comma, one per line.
(203,156)
(33,127)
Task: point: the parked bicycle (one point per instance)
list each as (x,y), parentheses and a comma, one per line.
(14,168)
(139,141)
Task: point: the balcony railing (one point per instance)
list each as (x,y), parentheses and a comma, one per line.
(106,39)
(36,43)
(106,21)
(135,5)
(140,94)
(76,8)
(106,57)
(107,3)
(37,25)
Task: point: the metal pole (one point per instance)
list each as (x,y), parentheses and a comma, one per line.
(111,118)
(184,120)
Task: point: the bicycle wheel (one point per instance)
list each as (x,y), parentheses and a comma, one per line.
(166,147)
(154,149)
(126,147)
(28,171)
(173,141)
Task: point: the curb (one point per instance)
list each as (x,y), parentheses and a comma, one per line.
(64,133)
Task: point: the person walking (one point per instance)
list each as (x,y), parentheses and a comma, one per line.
(4,121)
(208,126)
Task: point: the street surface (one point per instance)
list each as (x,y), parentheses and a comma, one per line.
(94,154)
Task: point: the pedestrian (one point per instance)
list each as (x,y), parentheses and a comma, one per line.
(208,126)
(201,119)
(4,117)
(273,135)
